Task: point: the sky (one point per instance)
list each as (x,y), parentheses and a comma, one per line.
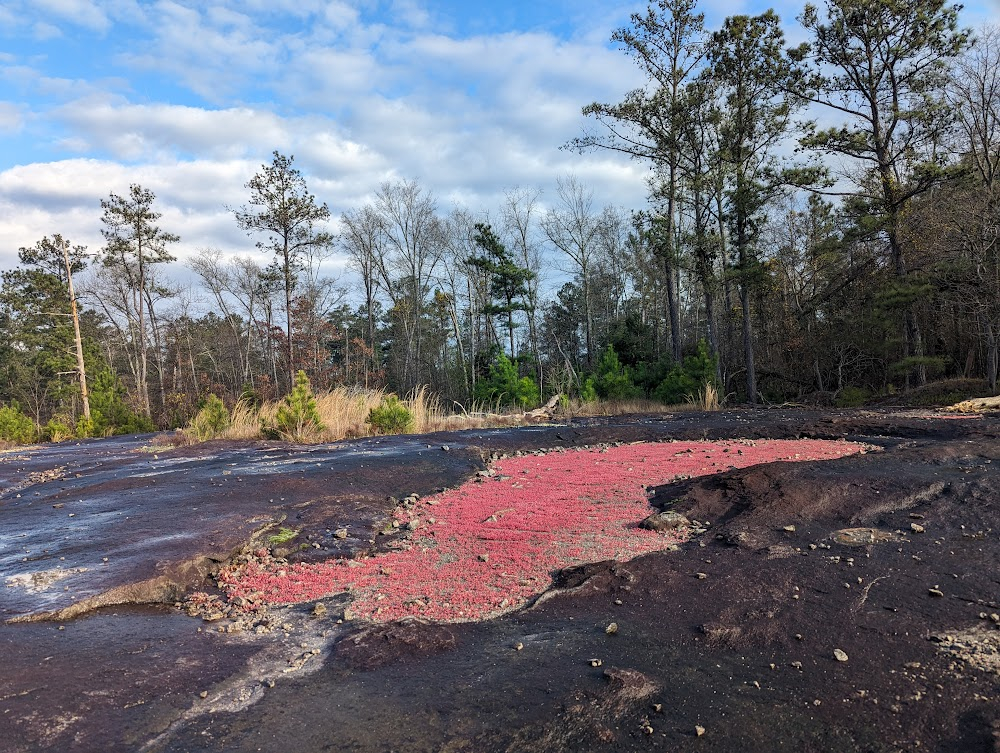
(190,98)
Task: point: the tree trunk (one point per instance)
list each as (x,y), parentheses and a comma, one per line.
(670,268)
(991,356)
(78,340)
(287,270)
(748,345)
(141,334)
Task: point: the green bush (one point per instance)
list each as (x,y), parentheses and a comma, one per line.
(649,374)
(283,536)
(687,379)
(109,412)
(15,426)
(58,430)
(588,391)
(852,397)
(613,379)
(934,365)
(297,414)
(390,417)
(211,420)
(85,427)
(503,387)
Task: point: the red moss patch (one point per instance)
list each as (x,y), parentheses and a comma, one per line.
(491,545)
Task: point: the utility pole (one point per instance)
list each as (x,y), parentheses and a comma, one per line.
(80,366)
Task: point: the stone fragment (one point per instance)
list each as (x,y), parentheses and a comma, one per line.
(839,654)
(665,521)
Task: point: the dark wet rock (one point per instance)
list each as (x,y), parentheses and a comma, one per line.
(149,525)
(376,646)
(735,654)
(628,685)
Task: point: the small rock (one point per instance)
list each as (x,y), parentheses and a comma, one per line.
(484,558)
(340,533)
(319,610)
(612,628)
(917,528)
(518,646)
(445,447)
(665,521)
(701,576)
(839,654)
(788,529)
(596,662)
(349,615)
(203,694)
(413,525)
(699,730)
(935,592)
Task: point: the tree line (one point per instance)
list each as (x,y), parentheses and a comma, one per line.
(821,224)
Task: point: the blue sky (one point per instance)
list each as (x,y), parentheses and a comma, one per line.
(189,98)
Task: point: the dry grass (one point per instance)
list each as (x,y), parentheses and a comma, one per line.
(707,398)
(620,408)
(344,412)
(976,405)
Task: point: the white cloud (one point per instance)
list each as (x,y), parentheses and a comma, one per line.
(78,12)
(11,117)
(43,31)
(357,102)
(212,61)
(410,13)
(150,132)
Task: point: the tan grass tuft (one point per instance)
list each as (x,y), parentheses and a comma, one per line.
(708,398)
(344,412)
(619,407)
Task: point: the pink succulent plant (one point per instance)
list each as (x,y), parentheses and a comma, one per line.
(492,544)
